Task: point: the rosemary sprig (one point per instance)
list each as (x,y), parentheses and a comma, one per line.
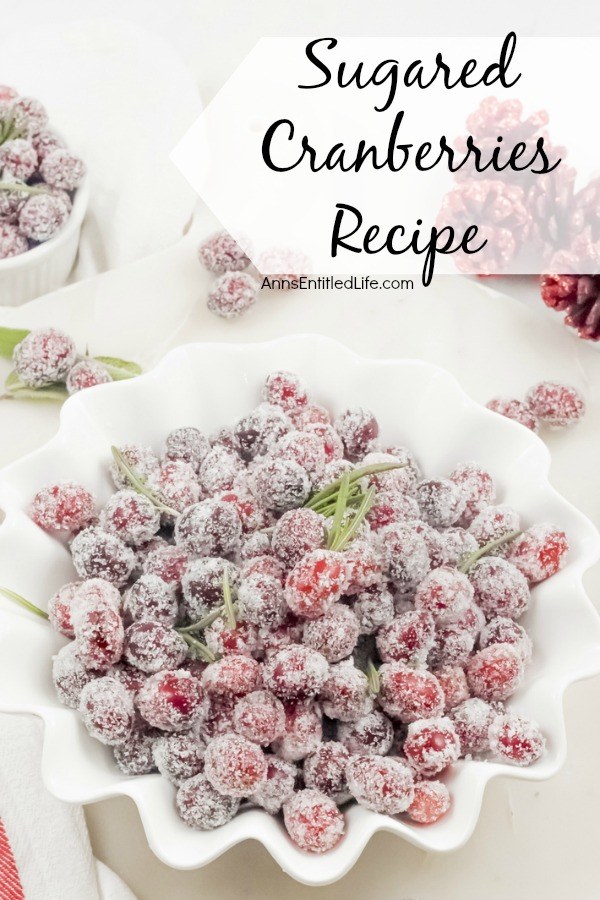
(472,558)
(228,601)
(138,483)
(346,533)
(373,679)
(203,623)
(339,510)
(200,650)
(17,188)
(21,601)
(330,492)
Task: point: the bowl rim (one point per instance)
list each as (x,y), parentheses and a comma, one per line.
(72,225)
(302,867)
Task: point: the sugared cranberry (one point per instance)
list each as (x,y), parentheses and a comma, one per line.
(60,606)
(220,253)
(495,672)
(313,821)
(374,608)
(232,294)
(304,448)
(358,429)
(62,507)
(310,414)
(42,216)
(369,735)
(516,410)
(441,502)
(201,806)
(218,718)
(209,528)
(492,523)
(187,444)
(500,588)
(391,507)
(382,784)
(431,745)
(261,601)
(223,640)
(557,405)
(278,786)
(408,638)
(516,740)
(142,460)
(179,756)
(303,730)
(454,545)
(249,508)
(444,593)
(452,645)
(430,802)
(296,533)
(408,694)
(325,770)
(259,717)
(130,516)
(62,169)
(176,483)
(234,765)
(472,719)
(106,710)
(100,637)
(264,564)
(363,563)
(219,470)
(166,562)
(70,676)
(295,672)
(332,442)
(316,583)
(454,685)
(406,557)
(282,484)
(202,585)
(98,554)
(151,599)
(85,374)
(134,755)
(232,676)
(258,432)
(502,630)
(172,700)
(539,552)
(345,693)
(285,389)
(151,647)
(477,487)
(333,634)
(12,242)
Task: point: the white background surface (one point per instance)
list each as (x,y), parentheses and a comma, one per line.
(533,841)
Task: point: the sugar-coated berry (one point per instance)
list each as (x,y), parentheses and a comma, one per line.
(12,242)
(391,507)
(43,357)
(454,685)
(202,585)
(477,486)
(106,710)
(151,599)
(98,554)
(369,735)
(313,821)
(172,700)
(85,374)
(217,717)
(42,216)
(134,755)
(233,293)
(45,142)
(345,693)
(235,766)
(282,484)
(452,645)
(29,115)
(296,533)
(130,516)
(364,562)
(296,672)
(152,647)
(187,444)
(223,640)
(556,405)
(332,442)
(303,730)
(261,601)
(209,528)
(316,583)
(176,483)
(258,431)
(408,638)
(500,588)
(62,169)
(494,522)
(259,717)
(179,756)
(431,801)
(502,630)
(358,429)
(60,607)
(441,502)
(100,637)
(453,545)
(232,676)
(201,806)
(516,740)
(445,593)
(539,552)
(167,562)
(70,676)
(131,678)
(142,460)
(249,508)
(431,745)
(219,470)
(382,784)
(18,160)
(264,564)
(495,672)
(405,554)
(516,410)
(311,414)
(325,770)
(472,719)
(304,448)
(409,694)
(62,507)
(219,253)
(278,786)
(256,545)
(285,389)
(333,634)
(374,608)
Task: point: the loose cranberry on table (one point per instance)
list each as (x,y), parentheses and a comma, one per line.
(231,646)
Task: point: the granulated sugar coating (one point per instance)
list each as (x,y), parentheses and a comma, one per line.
(556,405)
(269,616)
(220,253)
(516,410)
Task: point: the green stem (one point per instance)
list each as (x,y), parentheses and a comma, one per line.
(203,623)
(346,534)
(353,476)
(15,188)
(21,601)
(373,678)
(200,649)
(138,484)
(340,509)
(488,548)
(228,601)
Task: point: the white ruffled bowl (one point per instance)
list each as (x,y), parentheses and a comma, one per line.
(209,385)
(47,266)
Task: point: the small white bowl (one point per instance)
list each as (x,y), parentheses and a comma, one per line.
(48,265)
(208,385)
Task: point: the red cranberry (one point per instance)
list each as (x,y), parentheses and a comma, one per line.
(234,766)
(63,507)
(391,507)
(151,599)
(445,593)
(219,253)
(407,639)
(232,294)
(261,601)
(171,700)
(334,634)
(303,730)
(100,637)
(345,693)
(495,672)
(179,756)
(382,784)
(201,806)
(492,523)
(219,470)
(409,694)
(441,502)
(477,487)
(209,528)
(304,448)
(60,606)
(515,410)
(358,429)
(325,770)
(45,355)
(363,563)
(259,431)
(188,445)
(298,532)
(332,442)
(231,676)
(202,585)
(259,717)
(106,710)
(242,639)
(295,672)
(500,589)
(502,630)
(167,562)
(516,740)
(315,583)
(176,483)
(539,552)
(374,608)
(134,755)
(282,484)
(454,685)
(85,374)
(405,556)
(70,676)
(285,389)
(472,719)
(431,801)
(431,745)
(151,647)
(313,821)
(278,787)
(141,459)
(373,734)
(557,405)
(98,554)
(131,517)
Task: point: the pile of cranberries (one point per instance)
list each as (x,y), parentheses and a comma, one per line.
(38,175)
(548,403)
(287,614)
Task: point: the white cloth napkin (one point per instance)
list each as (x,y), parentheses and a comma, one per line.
(122,99)
(48,838)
